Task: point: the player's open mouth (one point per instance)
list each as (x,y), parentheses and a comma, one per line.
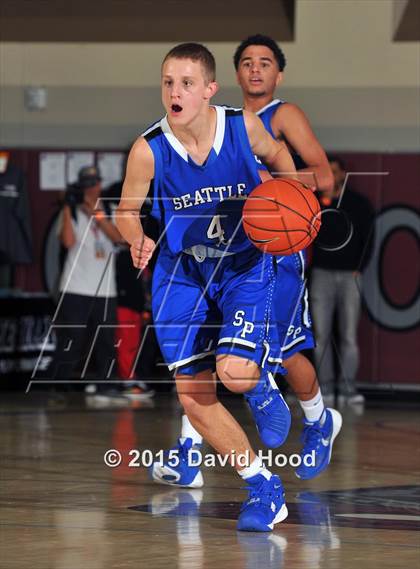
(176,108)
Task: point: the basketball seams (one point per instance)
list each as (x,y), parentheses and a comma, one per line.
(289,182)
(278,230)
(293,249)
(314,213)
(285,207)
(282,204)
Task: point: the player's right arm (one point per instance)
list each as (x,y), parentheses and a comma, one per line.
(272,152)
(291,123)
(139,174)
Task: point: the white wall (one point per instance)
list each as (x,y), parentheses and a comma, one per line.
(343,68)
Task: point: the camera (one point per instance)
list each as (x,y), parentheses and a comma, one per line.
(74,195)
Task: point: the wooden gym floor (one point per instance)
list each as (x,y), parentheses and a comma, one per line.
(62,508)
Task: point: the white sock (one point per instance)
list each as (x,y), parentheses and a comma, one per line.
(256,467)
(314,408)
(188,431)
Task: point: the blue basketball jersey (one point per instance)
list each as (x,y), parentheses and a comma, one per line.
(267,112)
(202,204)
(293,311)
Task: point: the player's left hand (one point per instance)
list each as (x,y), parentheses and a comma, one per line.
(141,251)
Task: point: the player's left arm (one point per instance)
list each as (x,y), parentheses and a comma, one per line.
(292,123)
(272,152)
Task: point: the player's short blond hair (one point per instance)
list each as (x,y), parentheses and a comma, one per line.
(195,52)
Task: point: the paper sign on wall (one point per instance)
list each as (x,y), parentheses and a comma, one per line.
(76,161)
(110,166)
(52,171)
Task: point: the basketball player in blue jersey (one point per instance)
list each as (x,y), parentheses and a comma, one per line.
(259,64)
(212,290)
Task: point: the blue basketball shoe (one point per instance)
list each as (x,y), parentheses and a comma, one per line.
(270,411)
(180,466)
(265,505)
(317,444)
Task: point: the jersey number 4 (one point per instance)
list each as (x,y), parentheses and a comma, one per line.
(215,231)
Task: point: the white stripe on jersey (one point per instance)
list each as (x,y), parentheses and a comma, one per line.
(275,360)
(228,108)
(306,321)
(267,352)
(189,360)
(302,264)
(293,343)
(172,139)
(220,129)
(273,102)
(179,148)
(237,341)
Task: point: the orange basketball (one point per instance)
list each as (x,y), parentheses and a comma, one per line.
(281,216)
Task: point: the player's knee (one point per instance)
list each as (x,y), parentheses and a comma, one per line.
(237,374)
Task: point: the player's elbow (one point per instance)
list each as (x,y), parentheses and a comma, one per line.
(282,162)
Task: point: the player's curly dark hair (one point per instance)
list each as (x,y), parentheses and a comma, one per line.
(259,39)
(195,52)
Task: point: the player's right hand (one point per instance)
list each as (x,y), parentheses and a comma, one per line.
(141,251)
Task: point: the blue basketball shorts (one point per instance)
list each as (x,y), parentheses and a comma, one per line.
(292,306)
(211,306)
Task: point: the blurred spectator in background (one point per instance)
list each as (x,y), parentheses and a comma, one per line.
(16,239)
(86,312)
(340,253)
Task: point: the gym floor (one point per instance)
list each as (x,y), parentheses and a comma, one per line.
(63,508)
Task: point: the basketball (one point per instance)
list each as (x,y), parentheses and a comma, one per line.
(281,216)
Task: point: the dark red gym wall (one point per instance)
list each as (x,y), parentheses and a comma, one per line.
(388,355)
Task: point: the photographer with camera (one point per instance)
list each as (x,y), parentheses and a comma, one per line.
(86,313)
